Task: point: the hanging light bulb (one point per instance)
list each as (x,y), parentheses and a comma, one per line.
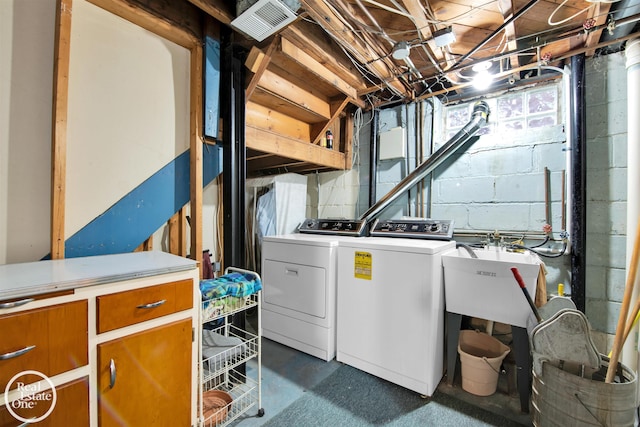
(483,78)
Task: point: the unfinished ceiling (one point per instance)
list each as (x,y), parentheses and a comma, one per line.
(369,53)
(516,35)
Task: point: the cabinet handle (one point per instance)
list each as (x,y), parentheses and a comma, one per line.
(291,271)
(16,303)
(153,304)
(112,373)
(16,353)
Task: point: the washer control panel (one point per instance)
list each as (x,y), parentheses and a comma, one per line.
(429,229)
(342,227)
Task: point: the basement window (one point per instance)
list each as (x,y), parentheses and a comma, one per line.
(516,111)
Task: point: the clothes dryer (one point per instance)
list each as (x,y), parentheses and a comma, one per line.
(299,273)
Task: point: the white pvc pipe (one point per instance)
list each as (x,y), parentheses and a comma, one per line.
(632,52)
(568,208)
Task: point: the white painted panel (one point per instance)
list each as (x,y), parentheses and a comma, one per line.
(26,68)
(128,110)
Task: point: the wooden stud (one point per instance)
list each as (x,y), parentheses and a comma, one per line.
(59,124)
(147,245)
(195,153)
(177,237)
(347,141)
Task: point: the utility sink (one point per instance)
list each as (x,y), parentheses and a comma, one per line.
(484,287)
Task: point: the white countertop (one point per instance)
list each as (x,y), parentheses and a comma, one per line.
(32,278)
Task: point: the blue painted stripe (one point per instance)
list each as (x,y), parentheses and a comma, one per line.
(135,217)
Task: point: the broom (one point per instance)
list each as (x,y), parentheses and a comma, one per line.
(624,310)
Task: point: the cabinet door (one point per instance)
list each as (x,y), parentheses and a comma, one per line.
(145,378)
(71,409)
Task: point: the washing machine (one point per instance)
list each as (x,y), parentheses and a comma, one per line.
(390,309)
(299,273)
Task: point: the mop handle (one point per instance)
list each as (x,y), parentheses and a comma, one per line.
(520,281)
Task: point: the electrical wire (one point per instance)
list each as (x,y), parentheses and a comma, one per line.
(560,6)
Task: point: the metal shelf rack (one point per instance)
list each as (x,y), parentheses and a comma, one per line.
(219,371)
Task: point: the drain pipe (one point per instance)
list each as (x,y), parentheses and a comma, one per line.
(632,52)
(578,183)
(479,117)
(373,156)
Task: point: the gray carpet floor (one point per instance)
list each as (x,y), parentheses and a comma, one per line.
(299,390)
(350,397)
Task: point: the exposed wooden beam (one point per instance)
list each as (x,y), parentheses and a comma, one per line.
(304,59)
(262,140)
(141,17)
(306,38)
(419,18)
(259,62)
(303,99)
(266,118)
(507,8)
(216,8)
(195,153)
(62,47)
(364,54)
(599,12)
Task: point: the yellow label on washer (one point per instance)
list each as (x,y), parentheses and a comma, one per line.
(362,265)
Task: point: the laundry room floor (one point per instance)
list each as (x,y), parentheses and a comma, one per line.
(299,389)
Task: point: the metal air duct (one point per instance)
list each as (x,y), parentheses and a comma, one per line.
(479,117)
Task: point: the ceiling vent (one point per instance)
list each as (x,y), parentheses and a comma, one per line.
(263,19)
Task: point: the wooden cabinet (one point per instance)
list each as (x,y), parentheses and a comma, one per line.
(145,378)
(71,409)
(113,334)
(50,340)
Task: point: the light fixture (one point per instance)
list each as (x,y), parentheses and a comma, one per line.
(483,78)
(444,37)
(401,50)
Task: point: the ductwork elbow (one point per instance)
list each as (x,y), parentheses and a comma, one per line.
(479,116)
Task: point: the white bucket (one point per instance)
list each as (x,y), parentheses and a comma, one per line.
(480,357)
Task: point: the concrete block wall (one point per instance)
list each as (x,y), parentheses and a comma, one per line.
(498,182)
(606,149)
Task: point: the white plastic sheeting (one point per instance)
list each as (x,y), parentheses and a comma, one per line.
(276,206)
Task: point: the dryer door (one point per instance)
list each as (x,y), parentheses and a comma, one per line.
(297,287)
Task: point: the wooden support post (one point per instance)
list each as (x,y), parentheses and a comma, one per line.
(59,126)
